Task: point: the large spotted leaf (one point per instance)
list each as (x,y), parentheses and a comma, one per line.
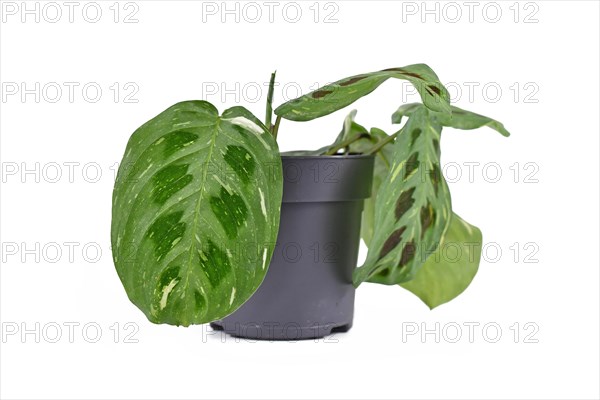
(451,268)
(196,212)
(340,94)
(412,208)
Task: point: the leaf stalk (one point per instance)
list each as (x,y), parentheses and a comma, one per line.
(269,111)
(382,143)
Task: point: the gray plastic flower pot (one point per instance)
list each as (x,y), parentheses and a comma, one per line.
(307,291)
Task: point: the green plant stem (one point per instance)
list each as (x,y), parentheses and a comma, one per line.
(385,160)
(275,127)
(345,143)
(269,113)
(382,143)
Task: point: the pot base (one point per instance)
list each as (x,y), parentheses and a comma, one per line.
(273,332)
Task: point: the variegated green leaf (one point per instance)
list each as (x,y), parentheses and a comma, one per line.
(459,119)
(413,206)
(196,212)
(451,268)
(340,94)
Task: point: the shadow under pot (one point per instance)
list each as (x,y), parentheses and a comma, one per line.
(307,291)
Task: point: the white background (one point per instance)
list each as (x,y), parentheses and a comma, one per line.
(544,60)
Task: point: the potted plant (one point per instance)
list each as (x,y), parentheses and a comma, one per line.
(210,223)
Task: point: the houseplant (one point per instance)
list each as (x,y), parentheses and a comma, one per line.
(198,196)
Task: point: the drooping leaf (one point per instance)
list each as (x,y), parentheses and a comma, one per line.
(451,268)
(196,212)
(459,119)
(412,208)
(340,94)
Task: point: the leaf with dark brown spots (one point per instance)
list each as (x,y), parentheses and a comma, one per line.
(393,69)
(436,176)
(352,80)
(421,204)
(392,241)
(413,75)
(427,218)
(346,91)
(404,203)
(411,165)
(435,89)
(321,93)
(414,135)
(408,253)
